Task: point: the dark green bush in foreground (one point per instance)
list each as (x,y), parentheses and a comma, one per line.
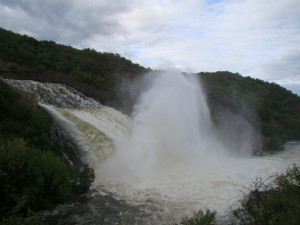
(30,178)
(200,218)
(81,178)
(20,220)
(277,202)
(271,202)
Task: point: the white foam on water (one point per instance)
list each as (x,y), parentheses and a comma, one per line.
(167,158)
(173,163)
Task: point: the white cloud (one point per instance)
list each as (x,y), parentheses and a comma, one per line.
(260,38)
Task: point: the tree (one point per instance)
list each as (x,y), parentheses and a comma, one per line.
(30,178)
(82,178)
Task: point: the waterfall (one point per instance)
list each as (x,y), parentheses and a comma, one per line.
(56,95)
(95,127)
(171,125)
(166,158)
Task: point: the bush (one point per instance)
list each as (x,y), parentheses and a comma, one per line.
(30,178)
(277,202)
(19,220)
(200,218)
(81,178)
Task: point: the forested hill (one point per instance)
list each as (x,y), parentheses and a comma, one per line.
(272,109)
(20,54)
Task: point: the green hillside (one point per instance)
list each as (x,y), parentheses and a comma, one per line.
(20,54)
(272,109)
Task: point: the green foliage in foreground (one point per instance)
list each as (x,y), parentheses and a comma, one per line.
(30,178)
(200,218)
(82,177)
(32,175)
(275,203)
(271,202)
(20,220)
(34,179)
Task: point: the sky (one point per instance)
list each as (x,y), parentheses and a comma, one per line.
(256,38)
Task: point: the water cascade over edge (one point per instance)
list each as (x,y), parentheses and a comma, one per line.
(171,125)
(167,158)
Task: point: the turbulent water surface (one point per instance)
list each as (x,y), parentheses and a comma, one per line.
(160,164)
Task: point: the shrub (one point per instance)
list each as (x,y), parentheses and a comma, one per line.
(30,178)
(19,220)
(200,218)
(277,202)
(81,178)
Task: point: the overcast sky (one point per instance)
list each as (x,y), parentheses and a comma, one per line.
(257,38)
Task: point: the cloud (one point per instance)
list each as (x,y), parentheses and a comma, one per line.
(286,66)
(285,70)
(62,21)
(253,37)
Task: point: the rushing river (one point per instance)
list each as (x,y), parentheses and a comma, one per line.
(160,164)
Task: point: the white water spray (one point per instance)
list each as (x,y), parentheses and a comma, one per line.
(173,163)
(166,159)
(171,126)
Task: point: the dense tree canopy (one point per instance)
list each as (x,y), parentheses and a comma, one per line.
(271,108)
(104,71)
